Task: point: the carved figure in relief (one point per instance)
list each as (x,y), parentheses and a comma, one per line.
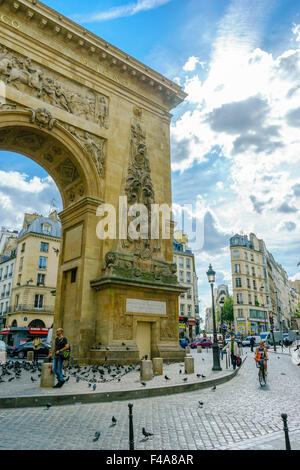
(96,152)
(102,112)
(18,72)
(42,117)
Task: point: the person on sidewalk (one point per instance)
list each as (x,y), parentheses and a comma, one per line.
(262,355)
(233,350)
(60,345)
(36,347)
(252,343)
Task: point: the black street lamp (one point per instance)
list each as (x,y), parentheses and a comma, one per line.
(211,275)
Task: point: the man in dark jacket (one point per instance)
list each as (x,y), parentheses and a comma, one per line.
(61,345)
(252,343)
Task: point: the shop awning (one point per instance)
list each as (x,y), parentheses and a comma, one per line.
(5,331)
(38,331)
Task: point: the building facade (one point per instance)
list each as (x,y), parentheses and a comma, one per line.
(188,302)
(251,293)
(35,273)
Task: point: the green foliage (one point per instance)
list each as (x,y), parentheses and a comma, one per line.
(228,310)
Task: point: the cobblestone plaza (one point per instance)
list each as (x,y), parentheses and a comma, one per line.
(237,415)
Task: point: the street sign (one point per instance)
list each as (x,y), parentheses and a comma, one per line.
(272,327)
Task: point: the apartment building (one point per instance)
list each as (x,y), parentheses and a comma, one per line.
(35,272)
(186,275)
(251,293)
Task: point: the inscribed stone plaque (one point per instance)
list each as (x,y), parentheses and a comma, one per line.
(145,306)
(73,241)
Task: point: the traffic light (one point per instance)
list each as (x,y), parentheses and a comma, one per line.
(271,319)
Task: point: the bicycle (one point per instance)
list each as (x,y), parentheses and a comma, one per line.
(261,373)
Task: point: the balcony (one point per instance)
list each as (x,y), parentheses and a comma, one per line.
(31,308)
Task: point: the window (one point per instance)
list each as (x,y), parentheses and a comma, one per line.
(245,255)
(73,275)
(42,263)
(38,301)
(239,298)
(249,299)
(41,279)
(181,276)
(46,228)
(252,257)
(181,262)
(11,270)
(248,283)
(237,268)
(17,300)
(254,284)
(44,247)
(253,271)
(188,263)
(182,296)
(189,309)
(21,264)
(8,289)
(23,247)
(238,282)
(189,294)
(236,253)
(188,276)
(6,272)
(247,268)
(19,279)
(240,313)
(181,309)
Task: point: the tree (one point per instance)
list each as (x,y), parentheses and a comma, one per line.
(228,310)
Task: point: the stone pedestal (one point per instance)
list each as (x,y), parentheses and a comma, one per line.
(199,349)
(187,350)
(47,376)
(189,365)
(2,357)
(29,356)
(146,370)
(158,366)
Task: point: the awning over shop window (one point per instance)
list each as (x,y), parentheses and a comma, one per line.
(38,331)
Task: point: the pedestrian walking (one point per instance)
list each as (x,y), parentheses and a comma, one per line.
(234,351)
(36,347)
(60,345)
(252,343)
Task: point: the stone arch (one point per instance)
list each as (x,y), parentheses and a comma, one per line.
(14,324)
(56,149)
(37,323)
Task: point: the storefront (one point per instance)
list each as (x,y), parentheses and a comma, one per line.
(15,336)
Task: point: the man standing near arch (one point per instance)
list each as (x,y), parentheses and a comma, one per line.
(60,345)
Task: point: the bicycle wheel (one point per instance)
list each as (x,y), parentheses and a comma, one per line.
(261,377)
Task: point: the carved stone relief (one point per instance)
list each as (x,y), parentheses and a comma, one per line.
(43,118)
(21,73)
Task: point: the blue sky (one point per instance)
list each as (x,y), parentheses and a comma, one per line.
(235,139)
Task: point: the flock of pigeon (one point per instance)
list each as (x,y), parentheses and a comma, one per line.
(12,370)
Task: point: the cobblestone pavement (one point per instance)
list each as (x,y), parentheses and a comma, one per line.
(129,381)
(231,417)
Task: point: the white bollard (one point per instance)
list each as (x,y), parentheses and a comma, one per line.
(146,372)
(3,357)
(158,366)
(29,356)
(47,376)
(199,349)
(189,365)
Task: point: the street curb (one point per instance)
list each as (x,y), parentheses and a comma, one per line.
(71,399)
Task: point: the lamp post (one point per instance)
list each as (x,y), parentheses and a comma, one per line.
(279,318)
(211,275)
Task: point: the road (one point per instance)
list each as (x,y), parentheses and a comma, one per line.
(232,415)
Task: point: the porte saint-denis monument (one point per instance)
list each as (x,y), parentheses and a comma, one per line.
(98,121)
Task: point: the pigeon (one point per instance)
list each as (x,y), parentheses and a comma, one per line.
(278,357)
(180,371)
(185,379)
(167,378)
(199,375)
(203,376)
(143,383)
(94,387)
(97,435)
(12,378)
(200,403)
(77,379)
(32,379)
(214,388)
(282,373)
(123,344)
(107,349)
(48,406)
(146,357)
(146,433)
(90,384)
(114,420)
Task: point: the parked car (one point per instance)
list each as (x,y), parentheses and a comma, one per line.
(204,343)
(22,350)
(246,341)
(183,342)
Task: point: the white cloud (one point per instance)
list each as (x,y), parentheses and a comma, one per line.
(121,11)
(191,64)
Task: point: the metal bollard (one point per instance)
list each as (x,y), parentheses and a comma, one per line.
(131,436)
(226,360)
(286,431)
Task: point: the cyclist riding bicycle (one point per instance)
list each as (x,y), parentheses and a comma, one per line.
(262,355)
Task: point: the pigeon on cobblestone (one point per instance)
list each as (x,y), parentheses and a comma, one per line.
(201,403)
(167,378)
(185,379)
(48,406)
(94,387)
(143,383)
(146,434)
(97,435)
(32,379)
(114,421)
(214,388)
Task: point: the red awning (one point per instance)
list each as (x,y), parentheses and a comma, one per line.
(38,331)
(5,331)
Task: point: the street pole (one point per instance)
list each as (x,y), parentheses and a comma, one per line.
(279,318)
(131,436)
(215,347)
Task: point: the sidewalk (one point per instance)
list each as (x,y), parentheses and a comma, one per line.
(274,441)
(25,392)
